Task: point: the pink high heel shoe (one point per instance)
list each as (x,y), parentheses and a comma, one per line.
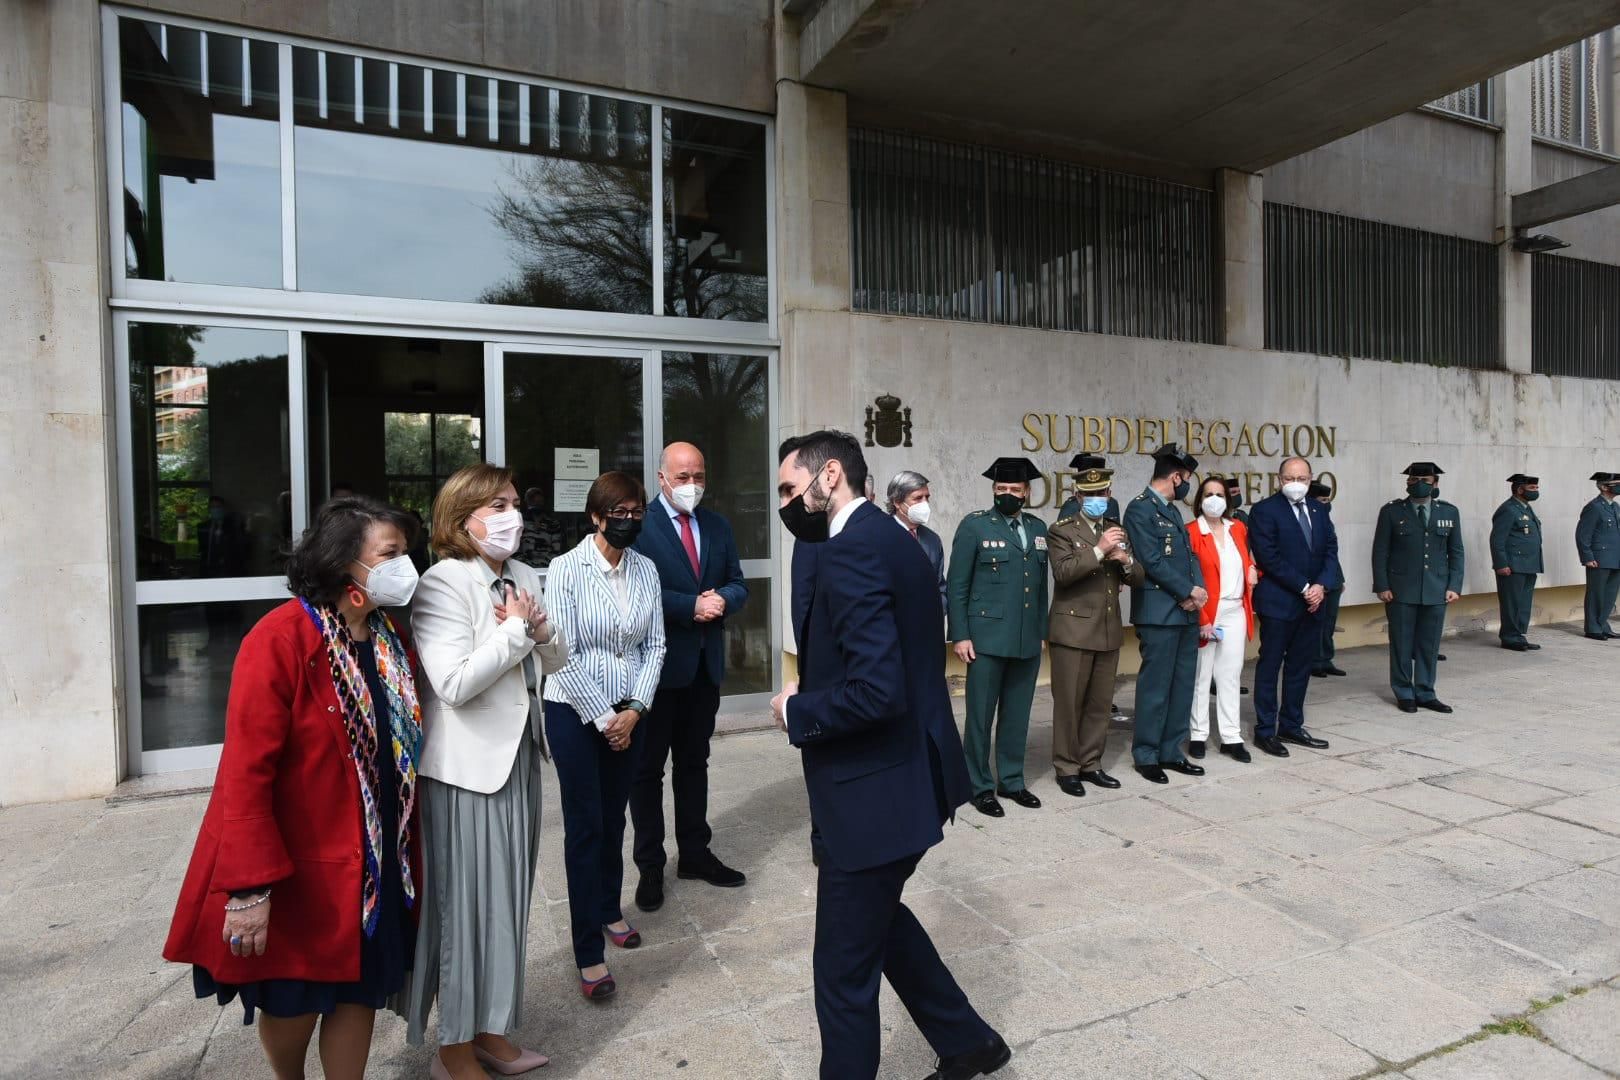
(526,1061)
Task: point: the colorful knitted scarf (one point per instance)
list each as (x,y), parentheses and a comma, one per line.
(360,721)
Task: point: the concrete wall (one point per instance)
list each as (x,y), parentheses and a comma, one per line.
(713,51)
(970,387)
(59,714)
(1594,237)
(1419,170)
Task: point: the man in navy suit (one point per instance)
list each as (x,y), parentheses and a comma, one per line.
(1297,550)
(883,764)
(697,563)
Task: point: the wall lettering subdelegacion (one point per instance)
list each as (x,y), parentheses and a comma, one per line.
(1214,442)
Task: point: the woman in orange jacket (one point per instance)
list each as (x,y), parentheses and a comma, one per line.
(1226,623)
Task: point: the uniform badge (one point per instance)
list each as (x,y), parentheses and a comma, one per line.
(984,543)
(1040,543)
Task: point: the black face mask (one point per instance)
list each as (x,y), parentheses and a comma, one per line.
(1009,504)
(1234,499)
(621,533)
(807,526)
(1182,489)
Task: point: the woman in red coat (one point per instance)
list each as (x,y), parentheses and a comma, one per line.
(1226,623)
(300,895)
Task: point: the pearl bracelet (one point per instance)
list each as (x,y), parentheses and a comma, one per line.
(256,903)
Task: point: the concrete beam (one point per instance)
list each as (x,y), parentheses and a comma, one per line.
(1567,198)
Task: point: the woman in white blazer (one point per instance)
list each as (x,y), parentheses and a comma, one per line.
(607,600)
(484,643)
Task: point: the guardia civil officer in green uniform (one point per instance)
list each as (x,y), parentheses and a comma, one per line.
(996,619)
(1597,542)
(1083,464)
(1165,610)
(1417,569)
(1234,500)
(1516,558)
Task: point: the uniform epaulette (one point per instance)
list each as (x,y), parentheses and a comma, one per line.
(979,513)
(1392,502)
(1140,497)
(1064,521)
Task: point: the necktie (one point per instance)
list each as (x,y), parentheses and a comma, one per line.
(1304,521)
(1423,515)
(689,542)
(1023,540)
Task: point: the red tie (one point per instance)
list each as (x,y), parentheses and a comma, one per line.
(689,542)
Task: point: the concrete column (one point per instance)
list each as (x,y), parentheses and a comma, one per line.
(812,170)
(60,719)
(1243,258)
(1515,173)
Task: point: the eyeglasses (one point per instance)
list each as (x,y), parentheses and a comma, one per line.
(619,513)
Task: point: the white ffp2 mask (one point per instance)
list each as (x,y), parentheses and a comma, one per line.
(919,513)
(686,497)
(392,582)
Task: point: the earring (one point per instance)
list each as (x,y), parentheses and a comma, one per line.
(356,597)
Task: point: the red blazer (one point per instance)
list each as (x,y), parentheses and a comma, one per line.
(1209,560)
(285,812)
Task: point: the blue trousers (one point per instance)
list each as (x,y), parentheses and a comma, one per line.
(594,781)
(863,933)
(1164,692)
(1289,647)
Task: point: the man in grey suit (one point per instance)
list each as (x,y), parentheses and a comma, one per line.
(908,500)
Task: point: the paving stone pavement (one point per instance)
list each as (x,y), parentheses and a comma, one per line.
(1343,913)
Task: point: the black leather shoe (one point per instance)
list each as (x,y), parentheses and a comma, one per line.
(1153,773)
(711,870)
(1319,673)
(1113,710)
(1023,797)
(1434,705)
(1439,656)
(1185,768)
(1195,747)
(1272,746)
(1243,690)
(1598,637)
(650,891)
(1516,646)
(1100,778)
(1532,646)
(1303,738)
(1071,785)
(1406,706)
(981,1062)
(1332,670)
(985,803)
(1237,751)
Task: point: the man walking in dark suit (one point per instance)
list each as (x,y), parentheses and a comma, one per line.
(697,563)
(1296,550)
(883,765)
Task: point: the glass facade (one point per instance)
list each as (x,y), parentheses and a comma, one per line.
(719,404)
(186,655)
(715,255)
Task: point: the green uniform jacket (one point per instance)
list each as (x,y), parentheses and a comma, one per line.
(1597,535)
(1418,565)
(996,590)
(1158,540)
(1516,538)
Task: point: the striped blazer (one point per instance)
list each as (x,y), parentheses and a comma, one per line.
(611,659)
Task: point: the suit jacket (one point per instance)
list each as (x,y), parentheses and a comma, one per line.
(883,762)
(1597,535)
(1159,542)
(1418,565)
(1516,538)
(611,657)
(475,703)
(285,811)
(1286,561)
(1086,608)
(997,589)
(1208,554)
(934,548)
(685,639)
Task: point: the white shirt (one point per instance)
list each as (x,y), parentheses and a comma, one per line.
(616,579)
(1232,583)
(842,517)
(675,520)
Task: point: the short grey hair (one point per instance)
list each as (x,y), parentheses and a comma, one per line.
(904,484)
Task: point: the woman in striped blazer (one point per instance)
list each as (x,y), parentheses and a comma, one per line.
(607,602)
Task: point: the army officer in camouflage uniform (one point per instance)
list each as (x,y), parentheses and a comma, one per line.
(1091,562)
(1417,569)
(1597,542)
(996,616)
(1516,558)
(1165,610)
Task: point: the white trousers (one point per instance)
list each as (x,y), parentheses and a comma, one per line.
(1221,661)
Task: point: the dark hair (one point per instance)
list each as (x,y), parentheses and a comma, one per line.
(820,447)
(612,488)
(318,568)
(1163,467)
(1208,480)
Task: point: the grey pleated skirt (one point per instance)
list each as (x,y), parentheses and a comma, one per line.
(479,859)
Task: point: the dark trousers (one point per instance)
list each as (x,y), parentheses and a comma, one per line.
(678,729)
(1602,586)
(594,781)
(1004,685)
(1164,692)
(1329,619)
(1514,600)
(1414,649)
(1288,647)
(864,931)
